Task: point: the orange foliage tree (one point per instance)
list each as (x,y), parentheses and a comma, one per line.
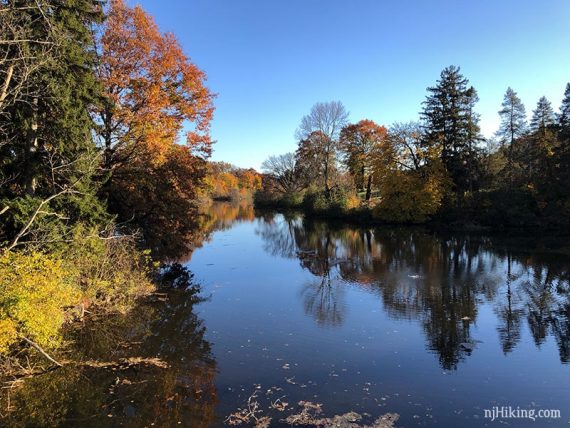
(153,93)
(359,142)
(153,90)
(226,181)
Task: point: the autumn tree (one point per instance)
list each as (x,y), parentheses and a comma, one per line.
(225,181)
(310,158)
(152,93)
(450,121)
(249,180)
(161,200)
(359,142)
(411,176)
(319,132)
(408,141)
(152,90)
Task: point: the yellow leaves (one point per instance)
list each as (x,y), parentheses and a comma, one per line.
(407,196)
(227,181)
(33,290)
(37,289)
(8,333)
(352,202)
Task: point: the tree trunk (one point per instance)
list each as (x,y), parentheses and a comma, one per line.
(369,188)
(6,85)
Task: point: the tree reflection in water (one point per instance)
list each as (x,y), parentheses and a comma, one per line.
(438,280)
(128,395)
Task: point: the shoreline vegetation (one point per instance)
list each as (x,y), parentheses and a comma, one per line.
(438,170)
(105,163)
(99,177)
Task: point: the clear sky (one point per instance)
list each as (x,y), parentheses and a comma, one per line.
(269,61)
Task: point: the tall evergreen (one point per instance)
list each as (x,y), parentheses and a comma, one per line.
(543,116)
(513,119)
(564,116)
(449,120)
(541,145)
(513,126)
(46,145)
(563,150)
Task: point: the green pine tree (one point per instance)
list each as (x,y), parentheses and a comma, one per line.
(513,126)
(449,120)
(541,146)
(564,116)
(543,116)
(46,145)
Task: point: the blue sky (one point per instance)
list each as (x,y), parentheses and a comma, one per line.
(269,61)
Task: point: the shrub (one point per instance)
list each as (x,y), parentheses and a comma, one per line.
(409,198)
(338,203)
(505,208)
(263,198)
(108,272)
(38,289)
(35,289)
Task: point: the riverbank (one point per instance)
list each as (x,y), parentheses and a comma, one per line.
(484,213)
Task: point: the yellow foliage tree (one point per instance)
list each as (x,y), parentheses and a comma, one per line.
(411,178)
(34,289)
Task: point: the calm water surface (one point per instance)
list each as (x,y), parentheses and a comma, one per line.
(436,328)
(433,327)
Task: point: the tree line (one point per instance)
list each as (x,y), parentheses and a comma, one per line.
(439,167)
(104,142)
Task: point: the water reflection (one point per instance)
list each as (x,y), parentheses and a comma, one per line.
(438,280)
(170,379)
(214,217)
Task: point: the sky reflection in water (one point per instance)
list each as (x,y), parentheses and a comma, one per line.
(434,327)
(374,320)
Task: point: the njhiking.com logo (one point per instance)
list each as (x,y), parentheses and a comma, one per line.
(509,412)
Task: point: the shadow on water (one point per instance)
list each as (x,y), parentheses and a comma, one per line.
(438,280)
(155,365)
(152,366)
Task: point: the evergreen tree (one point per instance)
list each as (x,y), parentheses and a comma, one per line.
(46,145)
(513,125)
(541,146)
(513,119)
(563,149)
(542,116)
(449,120)
(564,116)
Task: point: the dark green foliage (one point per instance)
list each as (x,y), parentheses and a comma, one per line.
(505,208)
(46,146)
(543,116)
(335,204)
(450,121)
(564,116)
(266,199)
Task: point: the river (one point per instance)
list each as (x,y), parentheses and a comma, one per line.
(436,327)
